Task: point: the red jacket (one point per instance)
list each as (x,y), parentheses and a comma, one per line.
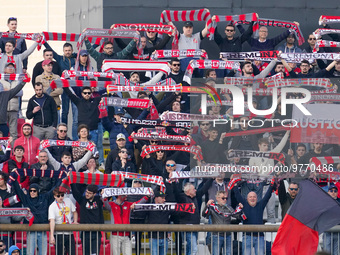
(11,164)
(31,146)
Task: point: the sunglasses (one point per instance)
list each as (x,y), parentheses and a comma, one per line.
(87,93)
(228,30)
(333,190)
(312,39)
(109,48)
(176,64)
(224,198)
(205,124)
(12,18)
(1,245)
(296,189)
(159,151)
(63,131)
(123,152)
(170,165)
(61,195)
(33,190)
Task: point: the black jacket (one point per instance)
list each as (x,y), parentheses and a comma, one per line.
(56,151)
(88,112)
(47,116)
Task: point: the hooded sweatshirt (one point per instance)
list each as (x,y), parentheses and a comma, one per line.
(31,146)
(11,164)
(13,248)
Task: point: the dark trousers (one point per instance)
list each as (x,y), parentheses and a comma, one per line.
(4,129)
(65,245)
(91,242)
(138,235)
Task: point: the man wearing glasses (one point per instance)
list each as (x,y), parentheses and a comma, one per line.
(221,213)
(287,198)
(232,43)
(56,151)
(62,211)
(87,110)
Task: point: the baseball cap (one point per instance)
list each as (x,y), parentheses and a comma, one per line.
(160,194)
(332,186)
(133,72)
(46,62)
(188,24)
(121,136)
(119,111)
(83,53)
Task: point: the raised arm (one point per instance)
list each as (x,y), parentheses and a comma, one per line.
(124,53)
(56,165)
(93,53)
(83,161)
(267,70)
(28,52)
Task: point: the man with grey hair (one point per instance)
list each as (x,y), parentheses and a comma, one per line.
(190,196)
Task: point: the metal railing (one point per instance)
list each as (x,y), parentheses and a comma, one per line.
(138,239)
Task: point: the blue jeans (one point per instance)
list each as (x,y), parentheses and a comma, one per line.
(253,241)
(221,242)
(97,138)
(191,239)
(37,240)
(331,243)
(65,107)
(157,246)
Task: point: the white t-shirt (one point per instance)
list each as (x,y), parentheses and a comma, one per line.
(62,212)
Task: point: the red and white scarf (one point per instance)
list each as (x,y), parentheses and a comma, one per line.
(325,43)
(154,179)
(135,65)
(191,149)
(314,82)
(26,212)
(249,17)
(178,53)
(172,88)
(324,31)
(178,116)
(63,83)
(121,80)
(322,161)
(161,137)
(15,77)
(247,81)
(279,23)
(158,28)
(112,192)
(71,74)
(324,19)
(164,123)
(27,36)
(187,15)
(256,154)
(125,102)
(185,207)
(86,145)
(193,174)
(209,64)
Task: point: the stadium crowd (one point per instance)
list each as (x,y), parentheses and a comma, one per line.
(224,199)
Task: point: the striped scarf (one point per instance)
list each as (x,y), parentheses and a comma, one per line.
(63,83)
(178,53)
(209,64)
(323,161)
(113,192)
(187,15)
(135,65)
(15,77)
(171,88)
(175,116)
(185,207)
(324,19)
(113,180)
(27,36)
(314,82)
(123,102)
(35,172)
(191,149)
(164,123)
(26,212)
(69,37)
(248,81)
(193,174)
(71,74)
(153,179)
(121,80)
(249,17)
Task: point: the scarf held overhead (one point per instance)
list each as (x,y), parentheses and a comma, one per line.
(161,137)
(35,172)
(164,123)
(185,207)
(191,149)
(256,154)
(178,53)
(135,65)
(112,192)
(122,102)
